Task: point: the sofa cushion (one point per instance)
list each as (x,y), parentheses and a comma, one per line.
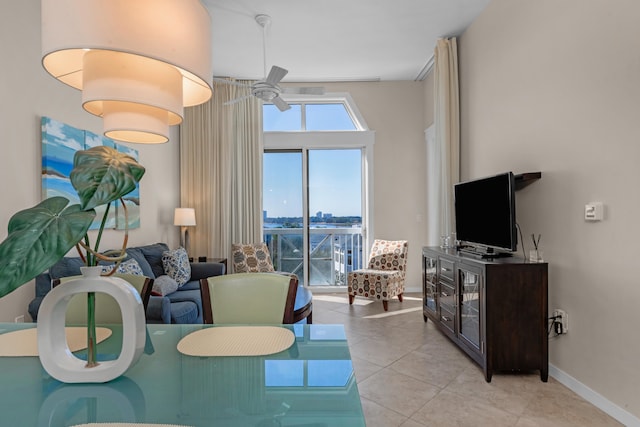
(193,296)
(136,253)
(191,285)
(130,266)
(153,254)
(176,265)
(66,267)
(159,310)
(164,285)
(184,312)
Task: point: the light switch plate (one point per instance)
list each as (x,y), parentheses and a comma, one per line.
(593,211)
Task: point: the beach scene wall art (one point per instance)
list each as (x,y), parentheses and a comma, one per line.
(59,144)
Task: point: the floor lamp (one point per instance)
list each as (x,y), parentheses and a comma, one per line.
(184,217)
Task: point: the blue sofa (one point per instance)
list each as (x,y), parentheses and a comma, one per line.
(181,306)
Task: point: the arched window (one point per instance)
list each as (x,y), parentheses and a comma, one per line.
(336,114)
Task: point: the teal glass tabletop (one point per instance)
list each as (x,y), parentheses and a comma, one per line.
(311,383)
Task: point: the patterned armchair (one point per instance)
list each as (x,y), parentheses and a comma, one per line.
(383,279)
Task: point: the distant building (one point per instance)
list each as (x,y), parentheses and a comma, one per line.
(319,214)
(327,216)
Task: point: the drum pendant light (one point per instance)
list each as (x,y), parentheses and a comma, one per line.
(138,63)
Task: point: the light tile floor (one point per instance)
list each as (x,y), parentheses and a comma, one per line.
(410,375)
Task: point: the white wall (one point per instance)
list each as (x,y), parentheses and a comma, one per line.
(429,94)
(554,86)
(27,93)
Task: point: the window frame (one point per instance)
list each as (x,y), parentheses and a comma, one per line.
(329,98)
(362,138)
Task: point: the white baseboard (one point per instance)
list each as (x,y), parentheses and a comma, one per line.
(594,398)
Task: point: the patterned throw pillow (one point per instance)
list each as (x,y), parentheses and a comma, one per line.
(251,258)
(176,265)
(164,285)
(130,266)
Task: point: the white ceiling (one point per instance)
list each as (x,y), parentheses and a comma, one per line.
(334,40)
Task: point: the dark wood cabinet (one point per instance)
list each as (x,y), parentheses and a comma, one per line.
(495,310)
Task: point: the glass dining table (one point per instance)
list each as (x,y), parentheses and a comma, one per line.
(310,384)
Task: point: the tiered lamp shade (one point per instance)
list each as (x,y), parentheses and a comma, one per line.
(138,63)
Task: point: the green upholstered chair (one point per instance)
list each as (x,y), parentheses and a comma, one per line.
(107,309)
(255,258)
(249,298)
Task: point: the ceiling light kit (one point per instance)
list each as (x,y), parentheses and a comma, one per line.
(138,64)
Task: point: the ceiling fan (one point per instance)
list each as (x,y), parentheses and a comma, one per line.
(268,89)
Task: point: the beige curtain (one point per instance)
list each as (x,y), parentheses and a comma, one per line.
(447,134)
(221,170)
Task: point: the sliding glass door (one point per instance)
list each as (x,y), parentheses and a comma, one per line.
(313,212)
(283,207)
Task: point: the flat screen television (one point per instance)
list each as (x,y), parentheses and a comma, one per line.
(485,214)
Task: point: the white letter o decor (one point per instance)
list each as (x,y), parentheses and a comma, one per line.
(55,356)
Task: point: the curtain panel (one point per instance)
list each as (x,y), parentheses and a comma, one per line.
(447,136)
(221,170)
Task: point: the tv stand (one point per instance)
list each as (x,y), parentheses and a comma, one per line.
(495,310)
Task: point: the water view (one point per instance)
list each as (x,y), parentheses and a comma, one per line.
(335,247)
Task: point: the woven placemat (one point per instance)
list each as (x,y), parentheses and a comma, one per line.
(237,341)
(24,342)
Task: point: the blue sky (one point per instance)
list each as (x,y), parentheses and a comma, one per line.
(334,175)
(334,183)
(318,117)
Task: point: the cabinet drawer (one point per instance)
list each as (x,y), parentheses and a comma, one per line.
(447,298)
(446,269)
(447,318)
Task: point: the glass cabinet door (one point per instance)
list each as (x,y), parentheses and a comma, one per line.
(470,294)
(429,282)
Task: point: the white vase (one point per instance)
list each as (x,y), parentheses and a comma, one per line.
(55,356)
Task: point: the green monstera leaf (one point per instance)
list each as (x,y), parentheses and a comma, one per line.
(102,174)
(38,237)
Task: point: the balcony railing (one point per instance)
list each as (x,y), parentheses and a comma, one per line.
(333,252)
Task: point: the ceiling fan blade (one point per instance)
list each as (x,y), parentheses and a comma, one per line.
(230,82)
(276,74)
(280,103)
(235,101)
(316,90)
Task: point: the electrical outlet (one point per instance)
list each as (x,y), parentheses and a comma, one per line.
(19,319)
(563,318)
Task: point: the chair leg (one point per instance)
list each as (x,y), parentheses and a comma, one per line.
(400,297)
(351,297)
(309,319)
(385,305)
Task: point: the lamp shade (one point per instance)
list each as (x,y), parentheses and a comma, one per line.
(138,63)
(185,217)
